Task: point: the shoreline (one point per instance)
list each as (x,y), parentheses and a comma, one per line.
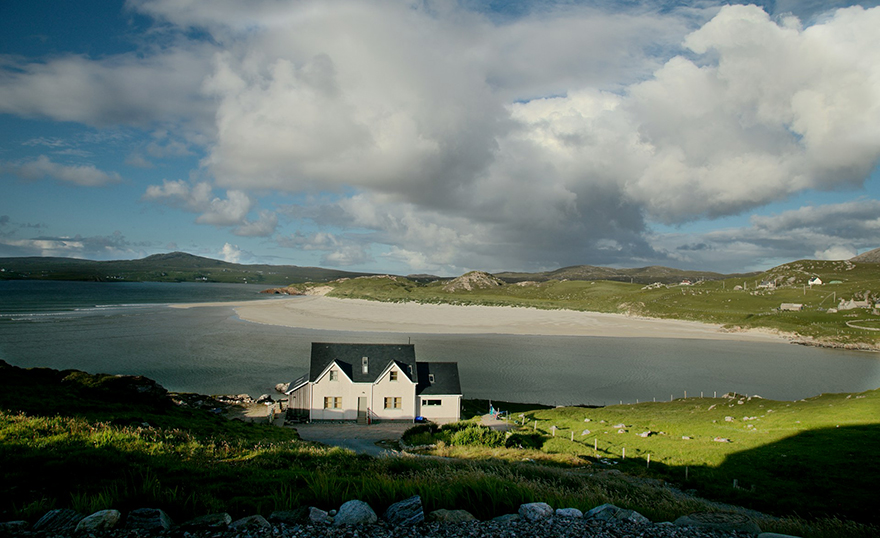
(359,315)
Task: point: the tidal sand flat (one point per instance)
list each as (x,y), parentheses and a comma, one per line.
(328,313)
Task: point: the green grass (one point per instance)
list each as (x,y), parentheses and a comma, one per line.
(814,457)
(90,442)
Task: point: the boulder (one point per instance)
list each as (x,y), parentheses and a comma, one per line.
(724,521)
(290,517)
(604,512)
(506,518)
(60,521)
(282,387)
(451,516)
(265,398)
(103,520)
(208,522)
(535,511)
(13,527)
(148,519)
(256,522)
(316,515)
(569,513)
(355,512)
(632,516)
(406,512)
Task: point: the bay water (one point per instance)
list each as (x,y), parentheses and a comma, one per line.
(130,328)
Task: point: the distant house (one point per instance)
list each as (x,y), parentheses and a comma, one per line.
(853,304)
(686,282)
(815,281)
(791,307)
(369,382)
(767,284)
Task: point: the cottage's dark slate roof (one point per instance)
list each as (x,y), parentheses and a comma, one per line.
(349,356)
(445,375)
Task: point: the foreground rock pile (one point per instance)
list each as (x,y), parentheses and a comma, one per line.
(405,519)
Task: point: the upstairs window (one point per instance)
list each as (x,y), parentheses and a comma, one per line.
(334,375)
(365,365)
(393,375)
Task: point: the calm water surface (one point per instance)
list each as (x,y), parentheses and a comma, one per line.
(128,328)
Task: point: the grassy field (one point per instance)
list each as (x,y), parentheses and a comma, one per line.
(90,442)
(717,301)
(813,457)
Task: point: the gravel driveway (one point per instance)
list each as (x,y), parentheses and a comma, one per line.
(357,437)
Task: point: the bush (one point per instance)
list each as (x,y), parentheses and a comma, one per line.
(422,434)
(525,440)
(475,435)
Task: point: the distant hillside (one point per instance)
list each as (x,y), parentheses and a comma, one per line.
(641,275)
(872,256)
(171,267)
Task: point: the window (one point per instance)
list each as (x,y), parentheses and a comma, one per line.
(428,403)
(393,403)
(431,378)
(332,402)
(365,365)
(334,375)
(393,375)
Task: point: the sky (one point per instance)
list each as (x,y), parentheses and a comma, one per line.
(441,136)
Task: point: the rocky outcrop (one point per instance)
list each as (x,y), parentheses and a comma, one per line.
(283,291)
(475,280)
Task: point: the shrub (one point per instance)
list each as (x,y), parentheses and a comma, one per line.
(525,440)
(475,435)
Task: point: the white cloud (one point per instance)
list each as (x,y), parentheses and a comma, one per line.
(231,253)
(264,226)
(199,198)
(82,175)
(114,246)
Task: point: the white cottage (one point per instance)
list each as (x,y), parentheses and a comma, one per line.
(369,382)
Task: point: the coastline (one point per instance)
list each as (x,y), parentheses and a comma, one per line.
(359,315)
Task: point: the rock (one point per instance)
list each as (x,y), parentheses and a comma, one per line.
(290,517)
(721,440)
(256,522)
(282,387)
(645,434)
(585,432)
(724,521)
(208,522)
(604,512)
(332,513)
(265,398)
(475,280)
(355,512)
(103,520)
(58,521)
(316,515)
(148,519)
(451,516)
(632,516)
(535,511)
(506,518)
(569,513)
(405,513)
(13,527)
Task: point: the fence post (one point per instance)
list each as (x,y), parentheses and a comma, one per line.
(624,453)
(595,447)
(649,462)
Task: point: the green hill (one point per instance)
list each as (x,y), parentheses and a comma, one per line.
(171,267)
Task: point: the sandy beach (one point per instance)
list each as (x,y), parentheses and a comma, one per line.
(328,313)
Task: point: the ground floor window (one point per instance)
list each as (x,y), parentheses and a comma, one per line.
(393,403)
(426,403)
(332,402)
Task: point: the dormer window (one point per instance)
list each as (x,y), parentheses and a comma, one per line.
(431,378)
(365,365)
(393,375)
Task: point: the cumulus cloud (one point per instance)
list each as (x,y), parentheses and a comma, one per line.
(42,167)
(199,198)
(451,138)
(230,253)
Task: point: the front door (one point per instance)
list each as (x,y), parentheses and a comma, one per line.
(362,410)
